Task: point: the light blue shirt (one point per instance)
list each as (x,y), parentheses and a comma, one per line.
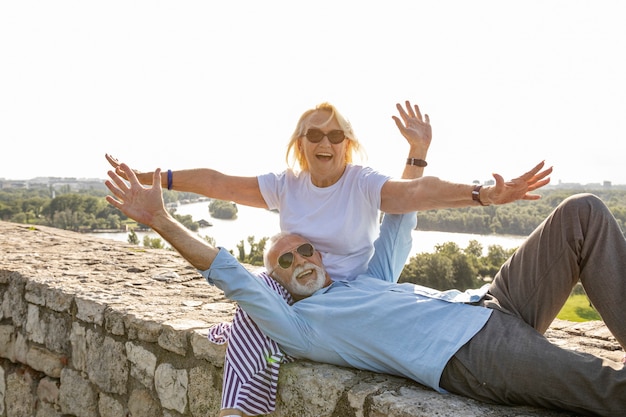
(368,323)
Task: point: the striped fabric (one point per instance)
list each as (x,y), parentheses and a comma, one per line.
(252,361)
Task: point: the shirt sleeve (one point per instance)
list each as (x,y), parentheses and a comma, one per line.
(392,247)
(270,185)
(269,310)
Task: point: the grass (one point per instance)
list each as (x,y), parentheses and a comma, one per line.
(578,308)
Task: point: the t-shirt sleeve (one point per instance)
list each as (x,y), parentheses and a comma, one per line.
(270,185)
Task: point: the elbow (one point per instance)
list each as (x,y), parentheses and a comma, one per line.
(406,196)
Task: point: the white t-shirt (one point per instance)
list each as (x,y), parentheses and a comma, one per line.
(341,220)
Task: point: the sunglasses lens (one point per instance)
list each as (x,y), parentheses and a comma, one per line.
(336,136)
(306,250)
(285,260)
(314,135)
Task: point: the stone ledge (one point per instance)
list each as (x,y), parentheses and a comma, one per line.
(155,309)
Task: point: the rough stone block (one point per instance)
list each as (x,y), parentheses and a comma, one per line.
(204,349)
(7,342)
(43,360)
(171,385)
(143,364)
(78,396)
(107,364)
(90,311)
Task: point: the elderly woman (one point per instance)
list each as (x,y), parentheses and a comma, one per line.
(312,195)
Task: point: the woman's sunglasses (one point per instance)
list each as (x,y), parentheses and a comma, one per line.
(316,136)
(286,259)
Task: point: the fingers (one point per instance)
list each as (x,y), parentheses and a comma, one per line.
(114,163)
(402,112)
(533,171)
(543,174)
(112,201)
(398,123)
(130,175)
(156,179)
(410,111)
(118,189)
(538,184)
(418,113)
(499,180)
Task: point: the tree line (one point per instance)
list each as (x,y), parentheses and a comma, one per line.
(519,218)
(79,211)
(87,210)
(449,266)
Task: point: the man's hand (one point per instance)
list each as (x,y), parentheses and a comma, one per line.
(143,204)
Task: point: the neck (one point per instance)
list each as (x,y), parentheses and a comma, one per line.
(323,181)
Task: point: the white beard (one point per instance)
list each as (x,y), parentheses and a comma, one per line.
(310,286)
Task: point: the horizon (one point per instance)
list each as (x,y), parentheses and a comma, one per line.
(551,184)
(222,85)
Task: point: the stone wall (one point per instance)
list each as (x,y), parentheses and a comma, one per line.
(98,328)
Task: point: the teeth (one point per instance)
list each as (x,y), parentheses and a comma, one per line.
(303,274)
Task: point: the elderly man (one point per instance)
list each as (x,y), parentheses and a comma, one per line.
(487,345)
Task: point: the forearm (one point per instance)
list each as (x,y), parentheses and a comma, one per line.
(214,184)
(191,247)
(426,193)
(414,170)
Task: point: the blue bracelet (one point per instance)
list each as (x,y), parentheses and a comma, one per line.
(169,179)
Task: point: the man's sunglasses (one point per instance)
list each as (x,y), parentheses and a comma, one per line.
(286,259)
(316,136)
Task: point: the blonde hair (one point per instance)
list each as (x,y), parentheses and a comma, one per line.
(295,156)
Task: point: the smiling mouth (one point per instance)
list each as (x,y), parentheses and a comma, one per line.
(324,156)
(304,274)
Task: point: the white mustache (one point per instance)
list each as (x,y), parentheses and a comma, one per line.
(307,267)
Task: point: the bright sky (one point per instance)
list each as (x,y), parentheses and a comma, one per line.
(181,84)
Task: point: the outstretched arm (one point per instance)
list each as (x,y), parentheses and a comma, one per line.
(145,205)
(204,181)
(426,193)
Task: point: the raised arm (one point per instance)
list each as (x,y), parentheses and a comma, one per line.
(418,133)
(204,181)
(427,193)
(145,205)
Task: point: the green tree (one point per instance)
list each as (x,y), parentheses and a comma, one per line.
(223,209)
(153,242)
(429,269)
(255,254)
(133,239)
(187,221)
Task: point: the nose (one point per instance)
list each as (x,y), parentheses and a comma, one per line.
(325,140)
(299,259)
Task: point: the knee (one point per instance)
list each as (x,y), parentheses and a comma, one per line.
(585,204)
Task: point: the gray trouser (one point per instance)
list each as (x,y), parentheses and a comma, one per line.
(510,361)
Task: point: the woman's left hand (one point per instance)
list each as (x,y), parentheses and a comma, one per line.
(415,128)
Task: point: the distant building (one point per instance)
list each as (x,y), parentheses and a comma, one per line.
(73,184)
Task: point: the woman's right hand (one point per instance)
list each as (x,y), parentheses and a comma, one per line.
(144,178)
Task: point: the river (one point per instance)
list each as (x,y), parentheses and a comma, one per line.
(264,223)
